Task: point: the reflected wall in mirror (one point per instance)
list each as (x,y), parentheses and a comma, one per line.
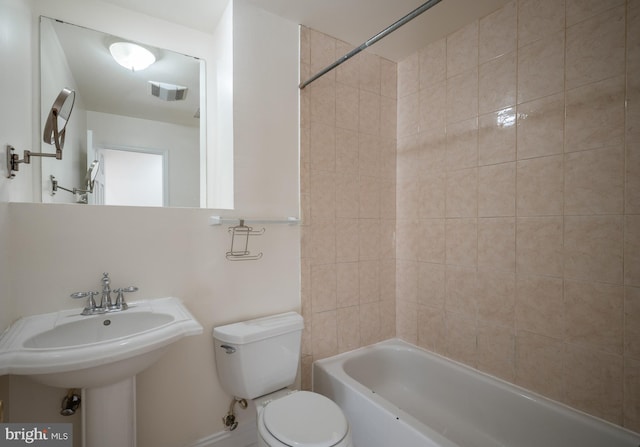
(154,110)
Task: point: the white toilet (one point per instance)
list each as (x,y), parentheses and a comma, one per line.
(258,359)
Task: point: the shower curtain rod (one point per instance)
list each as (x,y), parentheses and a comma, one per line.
(412,15)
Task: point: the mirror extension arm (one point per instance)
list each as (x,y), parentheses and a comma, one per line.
(81,194)
(54,132)
(13,160)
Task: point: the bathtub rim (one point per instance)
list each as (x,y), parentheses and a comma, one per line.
(396,343)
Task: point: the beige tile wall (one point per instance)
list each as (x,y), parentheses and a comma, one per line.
(515,180)
(518,177)
(348,194)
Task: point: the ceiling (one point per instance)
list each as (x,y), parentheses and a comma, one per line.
(104,86)
(353,21)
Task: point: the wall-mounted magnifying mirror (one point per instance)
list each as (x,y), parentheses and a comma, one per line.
(53,133)
(80,194)
(55,126)
(92,173)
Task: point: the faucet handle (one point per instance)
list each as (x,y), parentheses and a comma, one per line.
(120,302)
(91,307)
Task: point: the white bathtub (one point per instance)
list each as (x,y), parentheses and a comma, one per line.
(396,394)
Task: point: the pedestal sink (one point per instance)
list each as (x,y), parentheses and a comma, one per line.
(100,354)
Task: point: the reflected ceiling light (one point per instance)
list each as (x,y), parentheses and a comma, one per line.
(131,56)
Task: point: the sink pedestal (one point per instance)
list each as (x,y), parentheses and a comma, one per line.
(109,415)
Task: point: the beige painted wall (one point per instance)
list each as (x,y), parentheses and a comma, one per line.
(52,250)
(165,252)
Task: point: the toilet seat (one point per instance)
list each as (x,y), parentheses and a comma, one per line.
(305,419)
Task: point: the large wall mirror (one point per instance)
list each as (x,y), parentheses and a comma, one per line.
(141,125)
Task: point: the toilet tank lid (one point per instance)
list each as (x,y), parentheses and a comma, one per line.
(259,328)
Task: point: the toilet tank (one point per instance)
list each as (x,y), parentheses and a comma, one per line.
(257,357)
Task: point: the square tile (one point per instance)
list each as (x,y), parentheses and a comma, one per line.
(369,323)
(431,243)
(349,72)
(408,115)
(347,112)
(497,32)
(370,107)
(461,241)
(541,68)
(370,72)
(632,250)
(462,144)
(497,83)
(593,248)
(347,284)
(433,106)
(541,127)
(539,18)
(431,329)
(433,63)
(596,48)
(496,351)
(595,115)
(632,322)
(461,333)
(594,382)
(540,186)
(432,195)
(388,79)
(461,291)
(347,240)
(409,75)
(496,297)
(369,239)
(497,137)
(540,305)
(431,285)
(632,394)
(539,364)
(497,243)
(497,190)
(594,315)
(462,193)
(539,246)
(348,328)
(462,96)
(462,49)
(579,10)
(594,181)
(324,334)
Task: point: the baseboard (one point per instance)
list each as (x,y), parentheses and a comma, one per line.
(246,435)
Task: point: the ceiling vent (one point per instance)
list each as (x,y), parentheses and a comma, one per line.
(168,92)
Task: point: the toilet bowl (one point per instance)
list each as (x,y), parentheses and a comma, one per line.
(302,418)
(258,359)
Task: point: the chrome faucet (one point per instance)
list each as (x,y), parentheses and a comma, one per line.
(105,300)
(106,304)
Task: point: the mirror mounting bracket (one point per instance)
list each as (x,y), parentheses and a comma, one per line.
(54,132)
(13,160)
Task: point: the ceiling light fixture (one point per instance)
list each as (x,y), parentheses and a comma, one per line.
(131,56)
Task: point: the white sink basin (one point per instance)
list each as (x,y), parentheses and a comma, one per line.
(68,350)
